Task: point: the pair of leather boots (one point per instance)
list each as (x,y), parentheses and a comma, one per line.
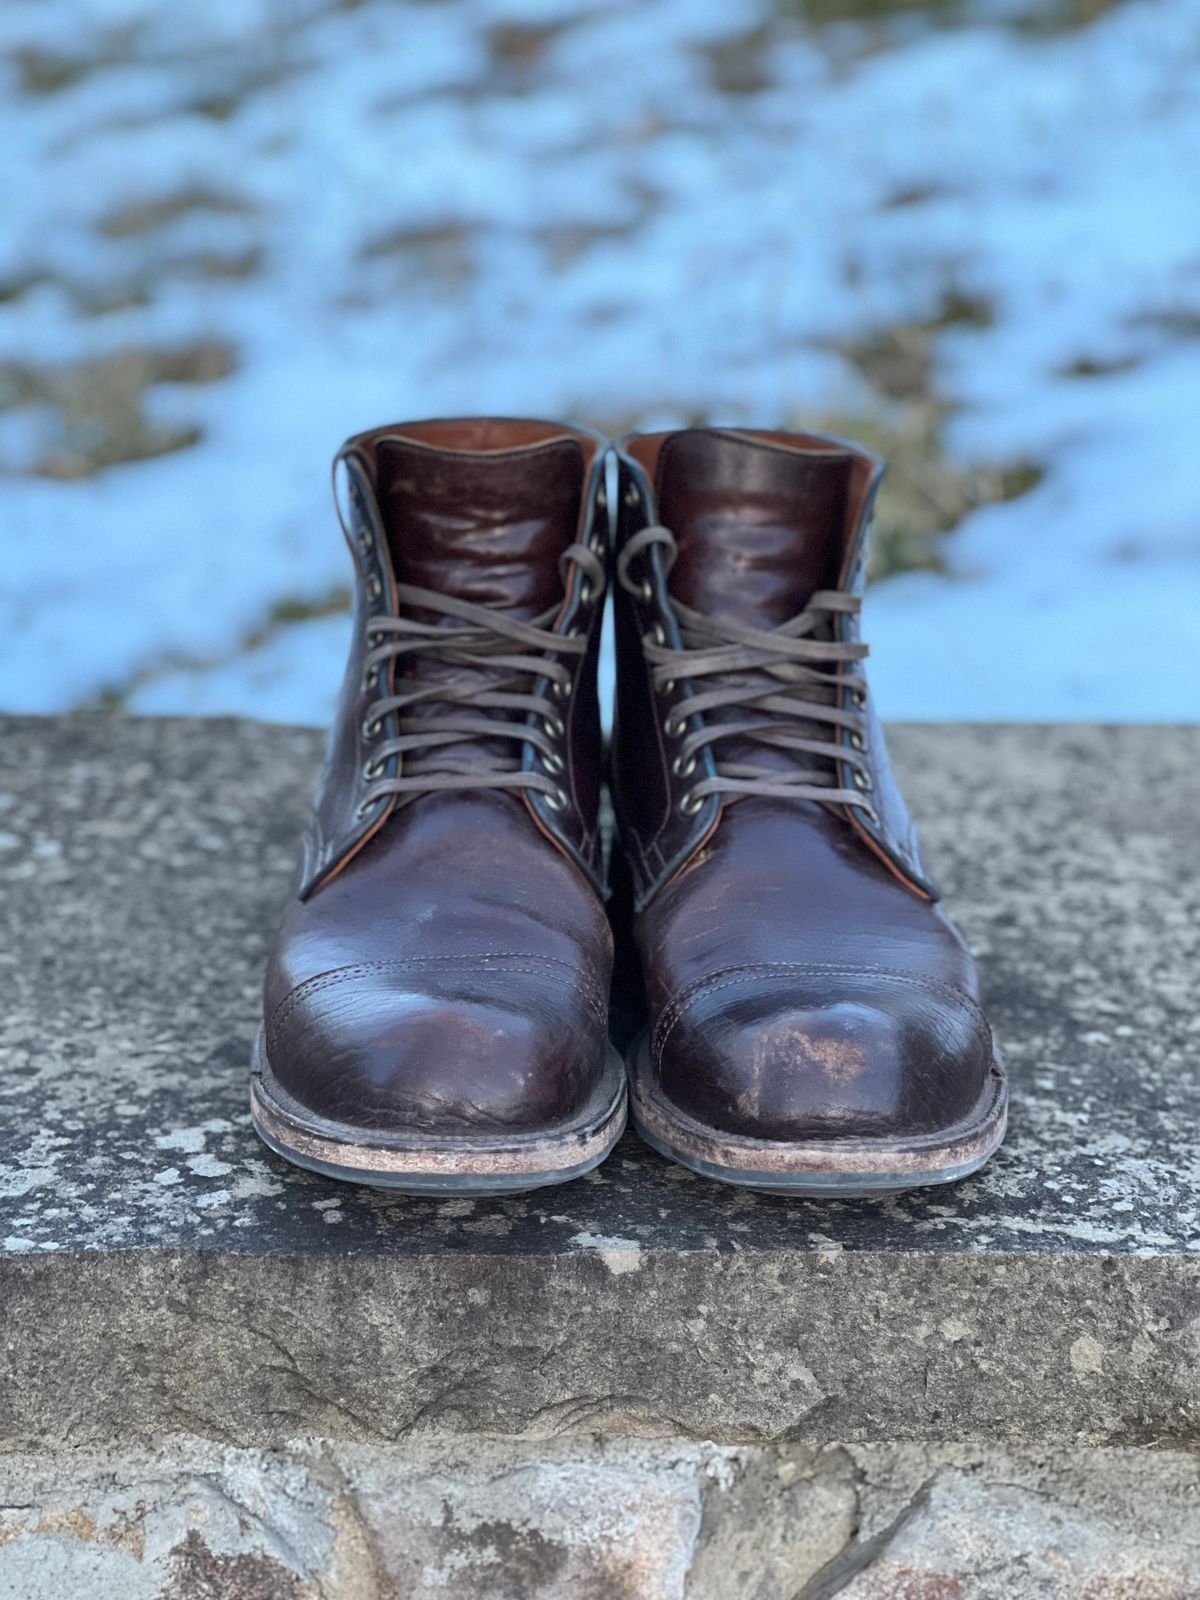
(437,1003)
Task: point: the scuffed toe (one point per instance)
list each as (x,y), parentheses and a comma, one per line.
(849,1055)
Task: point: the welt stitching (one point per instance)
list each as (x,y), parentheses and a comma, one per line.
(674,1011)
(326,980)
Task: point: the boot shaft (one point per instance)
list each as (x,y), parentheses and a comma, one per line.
(482,513)
(760,523)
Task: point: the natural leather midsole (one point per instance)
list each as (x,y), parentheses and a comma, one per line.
(448,1154)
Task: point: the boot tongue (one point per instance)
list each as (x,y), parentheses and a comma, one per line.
(759,526)
(487,527)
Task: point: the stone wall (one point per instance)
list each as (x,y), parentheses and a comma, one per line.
(573,1519)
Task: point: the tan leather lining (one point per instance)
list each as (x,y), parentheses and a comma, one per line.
(478,436)
(645,449)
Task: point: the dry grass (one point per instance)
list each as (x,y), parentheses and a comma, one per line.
(100,404)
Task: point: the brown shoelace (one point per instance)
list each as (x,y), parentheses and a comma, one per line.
(777,687)
(487,694)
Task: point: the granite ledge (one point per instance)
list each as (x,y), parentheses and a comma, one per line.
(160,1271)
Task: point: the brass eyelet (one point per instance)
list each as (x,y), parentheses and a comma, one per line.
(682,768)
(554,726)
(857,741)
(557,801)
(858,698)
(690,803)
(551,761)
(374,769)
(647,591)
(364,806)
(374,586)
(371,729)
(862,780)
(632,496)
(871,815)
(674,728)
(366,541)
(659,634)
(562,691)
(585,592)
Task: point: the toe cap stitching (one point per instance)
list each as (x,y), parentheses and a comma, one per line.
(715,981)
(535,966)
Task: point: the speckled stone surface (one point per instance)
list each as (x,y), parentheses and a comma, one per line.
(160,1269)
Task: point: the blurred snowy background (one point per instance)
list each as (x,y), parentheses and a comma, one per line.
(235,231)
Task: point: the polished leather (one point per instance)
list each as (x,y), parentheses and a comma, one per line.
(801,980)
(444,964)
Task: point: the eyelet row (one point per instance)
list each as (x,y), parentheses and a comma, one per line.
(373,768)
(682,767)
(862,779)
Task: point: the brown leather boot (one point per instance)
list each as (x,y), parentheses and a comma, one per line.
(814,1024)
(435,1006)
